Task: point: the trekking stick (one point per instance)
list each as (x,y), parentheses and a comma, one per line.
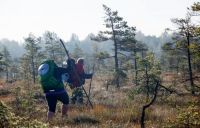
(91,81)
(87,97)
(76,73)
(65,48)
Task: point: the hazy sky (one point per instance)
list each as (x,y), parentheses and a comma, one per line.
(20,17)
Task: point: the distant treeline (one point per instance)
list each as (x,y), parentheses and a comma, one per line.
(16,49)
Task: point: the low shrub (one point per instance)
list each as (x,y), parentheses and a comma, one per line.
(9,120)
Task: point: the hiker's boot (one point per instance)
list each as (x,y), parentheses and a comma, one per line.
(64,110)
(50,116)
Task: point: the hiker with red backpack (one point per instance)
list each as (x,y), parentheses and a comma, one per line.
(73,71)
(77,83)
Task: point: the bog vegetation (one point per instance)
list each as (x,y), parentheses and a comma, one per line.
(132,86)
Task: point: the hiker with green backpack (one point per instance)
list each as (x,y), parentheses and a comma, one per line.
(53,87)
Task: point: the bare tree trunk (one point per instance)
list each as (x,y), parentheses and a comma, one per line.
(6,73)
(33,68)
(147,82)
(116,66)
(136,71)
(116,57)
(142,124)
(189,64)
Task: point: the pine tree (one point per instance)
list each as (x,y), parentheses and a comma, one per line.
(1,62)
(130,47)
(25,68)
(196,46)
(14,69)
(32,49)
(186,34)
(53,48)
(77,52)
(172,58)
(115,32)
(149,82)
(196,7)
(7,60)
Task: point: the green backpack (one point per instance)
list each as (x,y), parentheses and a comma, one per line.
(47,79)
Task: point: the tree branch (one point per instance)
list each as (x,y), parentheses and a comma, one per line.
(148,105)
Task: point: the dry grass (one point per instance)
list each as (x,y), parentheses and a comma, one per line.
(111,109)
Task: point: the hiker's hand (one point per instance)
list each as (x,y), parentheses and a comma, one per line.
(90,75)
(70,61)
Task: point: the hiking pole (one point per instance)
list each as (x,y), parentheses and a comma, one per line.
(91,81)
(87,97)
(65,48)
(76,73)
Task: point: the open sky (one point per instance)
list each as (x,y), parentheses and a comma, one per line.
(20,17)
